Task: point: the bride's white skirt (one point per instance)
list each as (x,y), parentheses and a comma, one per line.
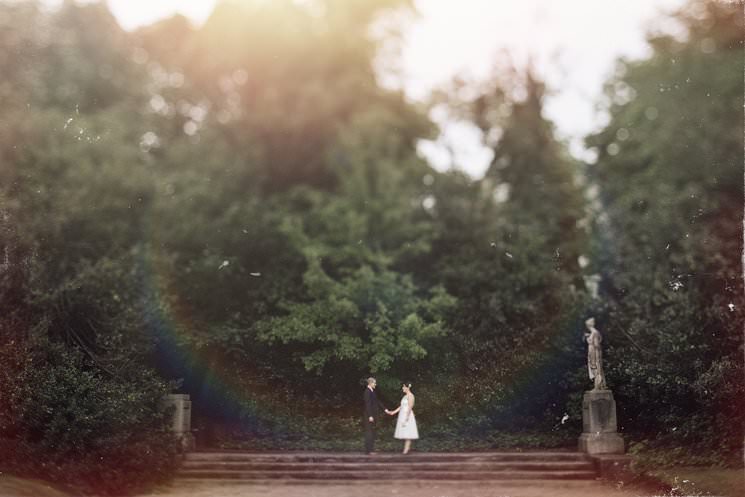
(406,430)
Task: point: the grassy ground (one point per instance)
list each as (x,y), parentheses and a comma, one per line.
(704,481)
(382,444)
(352,441)
(11,486)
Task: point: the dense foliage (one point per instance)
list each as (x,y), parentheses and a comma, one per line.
(242,208)
(669,244)
(66,420)
(509,248)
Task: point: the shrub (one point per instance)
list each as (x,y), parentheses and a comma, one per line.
(65,420)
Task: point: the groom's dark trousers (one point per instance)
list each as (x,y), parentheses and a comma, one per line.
(372,409)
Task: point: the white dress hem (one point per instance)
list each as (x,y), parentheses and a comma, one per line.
(406,430)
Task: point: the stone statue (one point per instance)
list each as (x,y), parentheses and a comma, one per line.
(595,355)
(599,423)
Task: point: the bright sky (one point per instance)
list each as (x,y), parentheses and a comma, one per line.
(573,43)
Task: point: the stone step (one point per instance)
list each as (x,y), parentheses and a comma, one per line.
(311,457)
(211,483)
(350,466)
(321,474)
(375,465)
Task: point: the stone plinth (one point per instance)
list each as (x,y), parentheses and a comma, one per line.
(615,467)
(181,418)
(599,424)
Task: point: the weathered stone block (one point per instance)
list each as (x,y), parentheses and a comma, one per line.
(601,443)
(614,466)
(599,412)
(181,418)
(599,424)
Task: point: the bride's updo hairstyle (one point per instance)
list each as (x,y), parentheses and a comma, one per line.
(407,385)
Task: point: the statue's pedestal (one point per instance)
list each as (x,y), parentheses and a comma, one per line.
(181,420)
(599,424)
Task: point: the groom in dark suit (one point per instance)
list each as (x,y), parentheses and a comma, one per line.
(372,409)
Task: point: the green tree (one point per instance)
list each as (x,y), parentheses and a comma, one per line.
(293,179)
(669,173)
(508,249)
(74,192)
(360,311)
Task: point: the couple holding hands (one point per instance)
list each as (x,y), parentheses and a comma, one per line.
(406,429)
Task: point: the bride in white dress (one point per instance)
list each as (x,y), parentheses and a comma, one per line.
(406,429)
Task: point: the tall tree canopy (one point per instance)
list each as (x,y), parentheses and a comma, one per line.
(669,177)
(241,208)
(508,249)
